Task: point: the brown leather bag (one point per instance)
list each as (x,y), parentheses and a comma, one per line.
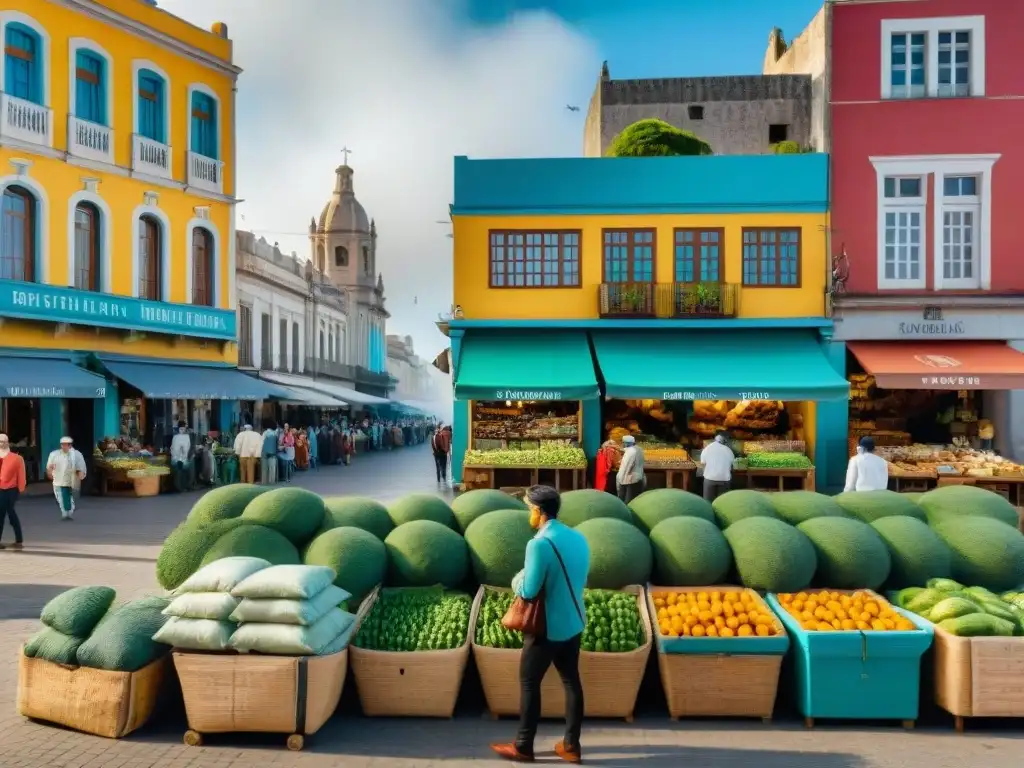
(528,616)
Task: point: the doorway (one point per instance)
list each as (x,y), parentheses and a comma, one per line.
(82,429)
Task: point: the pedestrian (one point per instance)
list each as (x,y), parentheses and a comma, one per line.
(181,448)
(440,446)
(12,485)
(717,459)
(301,451)
(630,478)
(268,460)
(314,448)
(248,445)
(66,468)
(607,455)
(288,452)
(556,569)
(867,471)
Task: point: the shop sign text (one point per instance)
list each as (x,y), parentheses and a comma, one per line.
(689,396)
(950,381)
(527,394)
(954,328)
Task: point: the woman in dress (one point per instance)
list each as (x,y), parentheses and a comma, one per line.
(301,451)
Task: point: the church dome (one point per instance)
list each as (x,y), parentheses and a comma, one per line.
(343,213)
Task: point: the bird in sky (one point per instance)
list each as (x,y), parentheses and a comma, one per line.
(572,108)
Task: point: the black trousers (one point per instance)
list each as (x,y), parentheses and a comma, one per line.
(8,496)
(441,463)
(629,491)
(715,488)
(538,655)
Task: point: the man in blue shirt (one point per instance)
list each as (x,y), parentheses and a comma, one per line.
(268,460)
(557,564)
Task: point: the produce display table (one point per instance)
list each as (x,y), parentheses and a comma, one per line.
(678,475)
(858,675)
(1010,487)
(979,676)
(489,476)
(911,482)
(718,676)
(775,480)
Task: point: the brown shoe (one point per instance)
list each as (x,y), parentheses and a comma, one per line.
(511,752)
(17,546)
(569,755)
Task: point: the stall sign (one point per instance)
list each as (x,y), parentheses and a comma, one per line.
(524,394)
(752,395)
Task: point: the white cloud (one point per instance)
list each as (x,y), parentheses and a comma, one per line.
(407,84)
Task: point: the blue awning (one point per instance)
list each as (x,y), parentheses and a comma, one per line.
(37,377)
(159,381)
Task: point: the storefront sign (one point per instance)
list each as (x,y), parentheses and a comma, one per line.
(954,330)
(54,304)
(524,394)
(931,323)
(60,392)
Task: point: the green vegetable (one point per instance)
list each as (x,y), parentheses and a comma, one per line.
(978,625)
(562,456)
(952,608)
(782,460)
(416,619)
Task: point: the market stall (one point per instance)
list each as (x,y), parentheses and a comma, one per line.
(124,469)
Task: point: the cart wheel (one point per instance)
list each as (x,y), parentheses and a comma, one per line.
(909,724)
(808,722)
(193,739)
(958,722)
(296,742)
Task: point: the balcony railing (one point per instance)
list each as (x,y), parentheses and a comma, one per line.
(374,378)
(205,173)
(151,157)
(331,368)
(90,141)
(668,300)
(25,121)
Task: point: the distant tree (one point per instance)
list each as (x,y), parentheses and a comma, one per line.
(788,148)
(656,138)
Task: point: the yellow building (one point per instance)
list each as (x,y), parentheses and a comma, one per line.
(586,284)
(117,174)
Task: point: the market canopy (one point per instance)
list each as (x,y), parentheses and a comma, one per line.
(349,395)
(952,365)
(543,365)
(717,365)
(310,398)
(160,381)
(37,377)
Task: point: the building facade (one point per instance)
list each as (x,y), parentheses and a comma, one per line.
(117,170)
(678,279)
(737,115)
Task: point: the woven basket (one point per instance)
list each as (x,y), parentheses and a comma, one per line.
(611,681)
(96,701)
(411,683)
(147,486)
(719,685)
(247,693)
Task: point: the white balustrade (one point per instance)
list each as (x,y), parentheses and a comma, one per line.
(90,141)
(150,157)
(25,121)
(205,173)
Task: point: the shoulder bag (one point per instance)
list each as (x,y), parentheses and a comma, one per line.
(528,616)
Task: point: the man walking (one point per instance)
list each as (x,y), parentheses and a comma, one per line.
(66,468)
(440,445)
(181,447)
(268,461)
(12,484)
(717,461)
(630,478)
(247,448)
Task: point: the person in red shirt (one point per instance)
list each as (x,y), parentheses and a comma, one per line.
(12,485)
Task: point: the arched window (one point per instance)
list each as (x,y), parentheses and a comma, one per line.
(340,256)
(152,105)
(87,247)
(90,90)
(366,260)
(23,63)
(321,259)
(18,235)
(202,268)
(150,258)
(204,125)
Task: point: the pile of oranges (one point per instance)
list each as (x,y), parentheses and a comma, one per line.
(714,614)
(825,611)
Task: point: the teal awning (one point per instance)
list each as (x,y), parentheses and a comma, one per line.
(717,365)
(37,377)
(159,381)
(542,365)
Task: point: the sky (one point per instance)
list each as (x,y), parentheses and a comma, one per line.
(407,85)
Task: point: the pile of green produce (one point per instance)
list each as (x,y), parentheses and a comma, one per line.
(965,611)
(560,456)
(416,619)
(782,460)
(613,622)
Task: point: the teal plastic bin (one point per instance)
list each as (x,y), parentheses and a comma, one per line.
(857,675)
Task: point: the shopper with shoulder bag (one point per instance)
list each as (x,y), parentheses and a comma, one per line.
(548,610)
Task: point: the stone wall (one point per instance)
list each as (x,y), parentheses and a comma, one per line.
(806,55)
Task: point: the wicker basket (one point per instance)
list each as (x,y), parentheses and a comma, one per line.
(147,486)
(96,701)
(721,684)
(413,683)
(611,681)
(250,693)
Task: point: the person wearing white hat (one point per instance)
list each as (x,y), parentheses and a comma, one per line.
(630,479)
(66,468)
(248,445)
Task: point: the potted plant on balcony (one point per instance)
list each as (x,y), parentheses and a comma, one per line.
(633,299)
(702,299)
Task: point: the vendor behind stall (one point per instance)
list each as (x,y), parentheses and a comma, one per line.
(717,459)
(866,471)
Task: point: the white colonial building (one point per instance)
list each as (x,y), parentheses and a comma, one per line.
(418,383)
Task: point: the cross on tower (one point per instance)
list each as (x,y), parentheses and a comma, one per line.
(346,152)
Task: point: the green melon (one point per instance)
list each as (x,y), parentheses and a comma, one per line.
(470,505)
(224,503)
(916,551)
(589,504)
(651,507)
(358,512)
(295,513)
(357,556)
(733,506)
(851,555)
(771,555)
(183,550)
(254,541)
(953,501)
(689,552)
(797,506)
(869,506)
(986,552)
(620,553)
(421,506)
(423,553)
(914,496)
(497,545)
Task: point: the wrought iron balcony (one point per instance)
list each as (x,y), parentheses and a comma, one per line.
(668,300)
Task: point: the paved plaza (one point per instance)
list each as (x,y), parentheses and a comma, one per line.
(116,541)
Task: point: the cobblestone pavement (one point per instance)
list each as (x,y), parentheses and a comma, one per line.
(116,541)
